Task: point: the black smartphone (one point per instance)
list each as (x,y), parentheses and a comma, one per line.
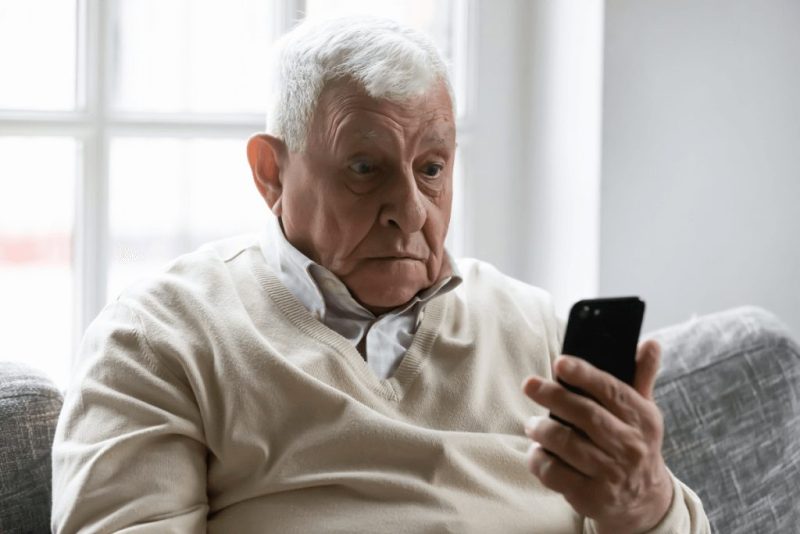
(605,332)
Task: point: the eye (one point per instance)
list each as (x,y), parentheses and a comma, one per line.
(432,170)
(362,167)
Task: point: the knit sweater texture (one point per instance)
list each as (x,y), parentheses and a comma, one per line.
(209,399)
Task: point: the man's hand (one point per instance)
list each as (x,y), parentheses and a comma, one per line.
(614,473)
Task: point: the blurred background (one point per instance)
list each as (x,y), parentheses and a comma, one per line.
(605,147)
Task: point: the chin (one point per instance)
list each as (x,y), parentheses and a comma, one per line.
(387,285)
(384,303)
(384,297)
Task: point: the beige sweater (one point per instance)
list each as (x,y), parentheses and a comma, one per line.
(208,398)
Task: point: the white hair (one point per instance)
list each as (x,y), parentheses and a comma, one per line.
(387,59)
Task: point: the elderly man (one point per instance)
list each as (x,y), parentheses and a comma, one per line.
(342,372)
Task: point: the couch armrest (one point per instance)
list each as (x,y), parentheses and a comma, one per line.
(29,407)
(730,393)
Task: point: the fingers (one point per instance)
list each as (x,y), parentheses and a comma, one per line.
(618,397)
(572,448)
(648,360)
(603,428)
(554,473)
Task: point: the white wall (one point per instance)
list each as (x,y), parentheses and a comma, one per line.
(700,207)
(563,147)
(533,159)
(493,154)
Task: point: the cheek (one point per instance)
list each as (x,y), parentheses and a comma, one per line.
(300,210)
(446,210)
(439,219)
(336,225)
(353,216)
(306,218)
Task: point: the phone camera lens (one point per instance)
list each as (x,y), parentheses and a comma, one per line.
(597,312)
(584,313)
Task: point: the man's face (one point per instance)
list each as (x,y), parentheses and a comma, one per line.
(370,197)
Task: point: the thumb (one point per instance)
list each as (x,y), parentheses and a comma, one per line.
(648,359)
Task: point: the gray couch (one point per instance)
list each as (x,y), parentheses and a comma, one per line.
(730,393)
(29,406)
(729,389)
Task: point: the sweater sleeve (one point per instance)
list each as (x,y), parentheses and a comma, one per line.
(685,514)
(129,452)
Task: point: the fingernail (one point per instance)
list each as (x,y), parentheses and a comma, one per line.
(532,385)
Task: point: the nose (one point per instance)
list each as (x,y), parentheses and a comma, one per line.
(404,204)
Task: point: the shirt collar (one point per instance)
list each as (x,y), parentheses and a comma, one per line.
(321,291)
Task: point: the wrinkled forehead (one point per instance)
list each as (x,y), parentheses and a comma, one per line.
(344,107)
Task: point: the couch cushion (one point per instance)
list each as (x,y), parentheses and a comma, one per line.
(29,406)
(730,393)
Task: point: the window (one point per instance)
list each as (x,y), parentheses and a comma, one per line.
(38,175)
(122,132)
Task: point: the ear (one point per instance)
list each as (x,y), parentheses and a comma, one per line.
(267,156)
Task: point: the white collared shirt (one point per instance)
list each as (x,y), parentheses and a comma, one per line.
(328,299)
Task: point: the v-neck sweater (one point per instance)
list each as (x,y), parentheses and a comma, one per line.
(209,399)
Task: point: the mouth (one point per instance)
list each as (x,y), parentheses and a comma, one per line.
(396,258)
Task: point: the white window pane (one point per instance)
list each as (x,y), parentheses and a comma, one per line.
(37,180)
(168,196)
(204,56)
(37,54)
